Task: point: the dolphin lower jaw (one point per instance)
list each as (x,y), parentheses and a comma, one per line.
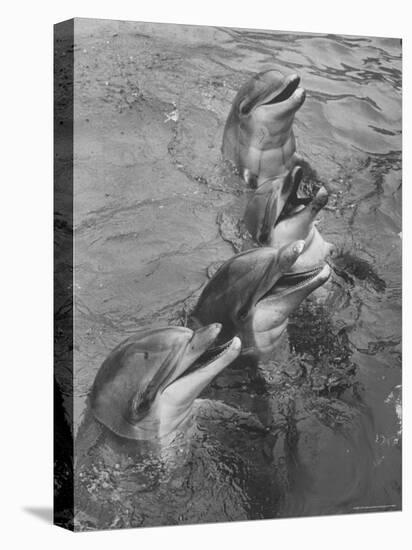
(286,94)
(203,363)
(290,290)
(201,340)
(175,403)
(279,119)
(180,395)
(296,101)
(270,316)
(293,282)
(314,254)
(275,94)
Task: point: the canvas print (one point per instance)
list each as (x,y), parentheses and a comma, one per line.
(227,274)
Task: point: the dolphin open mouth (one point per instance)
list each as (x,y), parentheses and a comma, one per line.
(297,280)
(208,357)
(288,89)
(295,204)
(273,94)
(292,206)
(283,203)
(291,282)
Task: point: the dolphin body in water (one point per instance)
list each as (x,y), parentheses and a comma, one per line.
(253,293)
(258,137)
(146,437)
(276,217)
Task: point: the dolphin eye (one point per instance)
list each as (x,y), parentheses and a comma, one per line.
(242,314)
(263,237)
(146,355)
(143,406)
(140,407)
(244,108)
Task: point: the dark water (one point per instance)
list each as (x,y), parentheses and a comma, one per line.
(155,209)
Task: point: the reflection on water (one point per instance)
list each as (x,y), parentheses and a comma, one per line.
(320,427)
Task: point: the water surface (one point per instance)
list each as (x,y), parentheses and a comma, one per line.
(155,210)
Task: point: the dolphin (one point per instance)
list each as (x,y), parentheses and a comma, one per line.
(275,216)
(146,387)
(146,440)
(253,293)
(258,136)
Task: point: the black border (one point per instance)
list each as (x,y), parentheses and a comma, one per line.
(63,446)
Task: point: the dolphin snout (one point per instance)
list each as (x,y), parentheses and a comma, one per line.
(300,96)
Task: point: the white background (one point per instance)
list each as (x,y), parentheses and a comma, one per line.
(26,271)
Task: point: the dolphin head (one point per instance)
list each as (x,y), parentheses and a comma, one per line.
(270,94)
(258,136)
(276,216)
(146,387)
(253,293)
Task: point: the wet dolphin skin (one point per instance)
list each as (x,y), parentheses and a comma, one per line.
(275,216)
(146,387)
(258,136)
(254,292)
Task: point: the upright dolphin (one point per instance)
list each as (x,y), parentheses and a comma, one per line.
(254,292)
(276,217)
(146,441)
(146,387)
(258,137)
